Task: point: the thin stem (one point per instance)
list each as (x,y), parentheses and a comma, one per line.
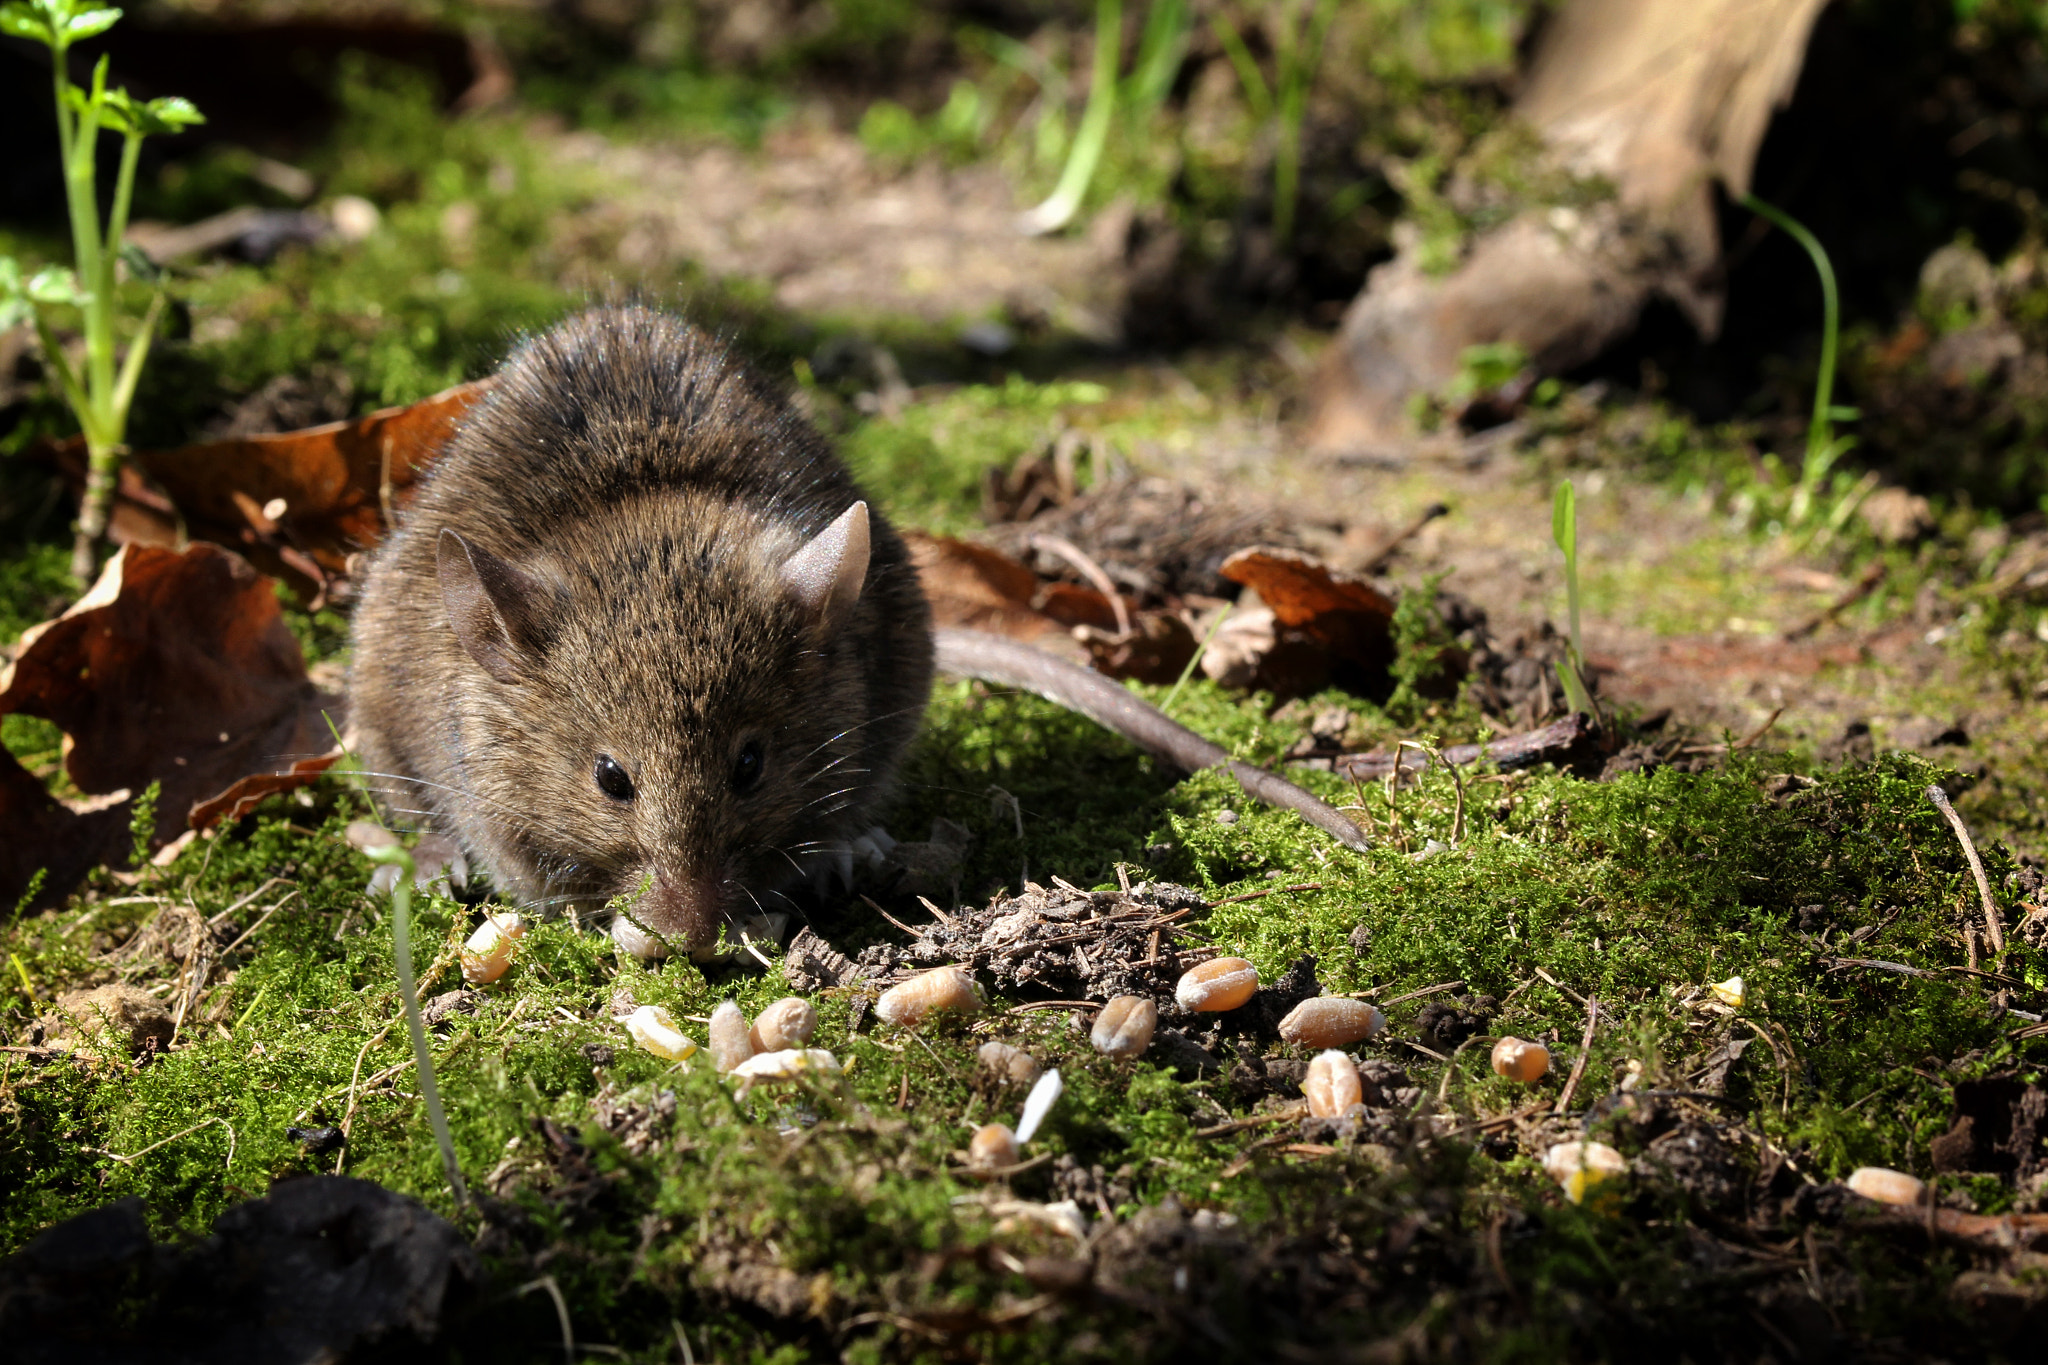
(124,193)
(1820,435)
(1256,92)
(131,367)
(401,953)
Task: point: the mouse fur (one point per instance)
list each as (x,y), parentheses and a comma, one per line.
(634,561)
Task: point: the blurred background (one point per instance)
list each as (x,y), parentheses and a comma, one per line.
(407,185)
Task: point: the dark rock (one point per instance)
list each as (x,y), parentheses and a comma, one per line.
(320,1267)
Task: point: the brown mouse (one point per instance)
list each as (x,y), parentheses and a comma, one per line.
(639,629)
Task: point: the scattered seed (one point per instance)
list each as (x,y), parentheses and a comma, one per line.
(941,988)
(1038,1104)
(651,1027)
(1332,1085)
(729,1040)
(1331,1021)
(1221,983)
(1729,992)
(1012,1063)
(1520,1060)
(789,1022)
(787,1064)
(1124,1027)
(489,950)
(1886,1186)
(993,1145)
(1579,1166)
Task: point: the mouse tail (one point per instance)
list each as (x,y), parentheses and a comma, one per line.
(1009,663)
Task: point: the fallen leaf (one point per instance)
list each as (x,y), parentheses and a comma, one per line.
(978,588)
(298,503)
(176,668)
(330,479)
(1329,627)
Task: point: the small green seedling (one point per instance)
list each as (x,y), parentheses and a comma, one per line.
(1298,56)
(1564,529)
(102,390)
(1161,47)
(401,954)
(1823,446)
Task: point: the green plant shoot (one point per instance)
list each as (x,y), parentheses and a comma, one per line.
(1298,56)
(101,389)
(1161,47)
(1059,208)
(142,824)
(1823,447)
(401,955)
(1564,529)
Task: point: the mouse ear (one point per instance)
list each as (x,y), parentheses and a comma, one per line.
(492,607)
(825,576)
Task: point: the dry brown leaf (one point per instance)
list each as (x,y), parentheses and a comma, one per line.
(978,588)
(176,668)
(298,503)
(330,478)
(1330,627)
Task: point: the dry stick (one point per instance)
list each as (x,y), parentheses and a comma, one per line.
(274,881)
(1090,570)
(1754,735)
(1269,891)
(1427,990)
(1402,537)
(547,1282)
(349,1114)
(1290,1113)
(1561,986)
(1993,929)
(1866,585)
(260,922)
(136,1156)
(1571,1083)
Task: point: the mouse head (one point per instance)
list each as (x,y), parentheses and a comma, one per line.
(671,706)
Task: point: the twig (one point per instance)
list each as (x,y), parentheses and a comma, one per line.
(1992,928)
(1291,1112)
(1571,1083)
(1878,964)
(1865,585)
(1402,537)
(1269,891)
(1561,986)
(1090,570)
(1426,990)
(547,1282)
(260,922)
(133,1157)
(349,1114)
(891,918)
(274,881)
(1754,735)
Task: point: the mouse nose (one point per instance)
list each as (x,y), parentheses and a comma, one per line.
(685,907)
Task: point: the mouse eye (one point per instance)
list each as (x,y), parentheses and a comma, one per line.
(746,769)
(612,779)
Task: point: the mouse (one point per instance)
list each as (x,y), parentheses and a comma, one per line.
(641,634)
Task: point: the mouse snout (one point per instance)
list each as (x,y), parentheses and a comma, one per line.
(687,907)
